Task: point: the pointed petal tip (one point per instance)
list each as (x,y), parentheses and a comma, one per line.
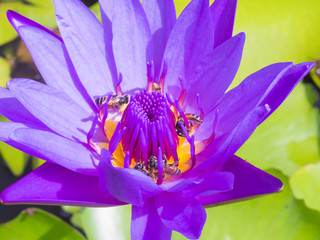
(307,65)
(301,69)
(17,20)
(241,35)
(280,187)
(9,83)
(15,81)
(240,39)
(274,183)
(4,198)
(14,134)
(250,182)
(275,186)
(10,13)
(13,19)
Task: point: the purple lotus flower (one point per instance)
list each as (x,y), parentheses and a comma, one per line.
(134,111)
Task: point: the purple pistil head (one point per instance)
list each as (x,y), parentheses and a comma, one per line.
(150,125)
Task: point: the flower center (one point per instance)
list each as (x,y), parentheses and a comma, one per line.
(150,126)
(148,131)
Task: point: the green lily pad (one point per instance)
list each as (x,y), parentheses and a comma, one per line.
(4,72)
(107,223)
(277,31)
(71,209)
(282,31)
(277,217)
(288,139)
(38,10)
(95,8)
(181,4)
(76,218)
(37,224)
(41,11)
(15,159)
(7,32)
(37,162)
(305,185)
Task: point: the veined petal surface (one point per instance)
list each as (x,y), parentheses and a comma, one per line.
(223,13)
(184,215)
(52,107)
(146,223)
(50,56)
(131,53)
(190,40)
(161,17)
(6,128)
(11,108)
(55,149)
(83,36)
(214,74)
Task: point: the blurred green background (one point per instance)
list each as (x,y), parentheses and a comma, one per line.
(286,145)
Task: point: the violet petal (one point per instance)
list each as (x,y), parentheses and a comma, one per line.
(6,128)
(212,183)
(83,36)
(162,17)
(190,40)
(106,12)
(200,183)
(222,148)
(213,76)
(52,184)
(223,13)
(131,53)
(239,101)
(279,92)
(146,223)
(55,149)
(55,109)
(249,181)
(184,215)
(11,108)
(17,20)
(127,185)
(49,54)
(106,9)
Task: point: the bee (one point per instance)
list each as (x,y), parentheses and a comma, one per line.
(153,166)
(192,118)
(170,169)
(153,162)
(156,87)
(140,167)
(115,102)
